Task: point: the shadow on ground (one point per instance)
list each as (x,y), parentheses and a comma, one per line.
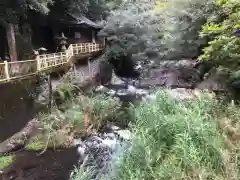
(52,165)
(16,107)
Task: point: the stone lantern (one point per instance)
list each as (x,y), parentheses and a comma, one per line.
(62,42)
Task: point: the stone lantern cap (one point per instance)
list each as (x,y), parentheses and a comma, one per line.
(61,37)
(62,40)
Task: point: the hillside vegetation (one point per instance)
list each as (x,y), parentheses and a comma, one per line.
(194,139)
(173,139)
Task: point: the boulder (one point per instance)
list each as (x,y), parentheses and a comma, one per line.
(215,81)
(102,89)
(125,134)
(188,94)
(172,74)
(104,72)
(203,67)
(187,63)
(180,77)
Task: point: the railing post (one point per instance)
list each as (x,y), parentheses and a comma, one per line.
(62,59)
(104,42)
(6,70)
(81,48)
(65,55)
(72,50)
(54,57)
(38,63)
(89,67)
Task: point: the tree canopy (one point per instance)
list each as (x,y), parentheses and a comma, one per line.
(158,29)
(13,10)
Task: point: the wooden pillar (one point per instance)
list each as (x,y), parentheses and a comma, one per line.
(89,67)
(11,42)
(2,42)
(27,33)
(50,94)
(93,36)
(103,41)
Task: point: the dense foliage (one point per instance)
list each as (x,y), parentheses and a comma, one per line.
(168,29)
(93,9)
(15,10)
(223,49)
(182,21)
(12,10)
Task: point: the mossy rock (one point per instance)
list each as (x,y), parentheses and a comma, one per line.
(6,161)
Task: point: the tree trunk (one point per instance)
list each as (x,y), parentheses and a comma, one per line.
(11,42)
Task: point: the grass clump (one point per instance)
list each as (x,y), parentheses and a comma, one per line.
(6,161)
(97,110)
(81,116)
(100,108)
(35,145)
(82,174)
(178,140)
(66,89)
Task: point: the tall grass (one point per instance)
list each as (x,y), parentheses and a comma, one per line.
(179,140)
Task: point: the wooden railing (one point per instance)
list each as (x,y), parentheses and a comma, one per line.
(20,69)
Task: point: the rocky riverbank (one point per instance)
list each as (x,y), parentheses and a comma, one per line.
(101,145)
